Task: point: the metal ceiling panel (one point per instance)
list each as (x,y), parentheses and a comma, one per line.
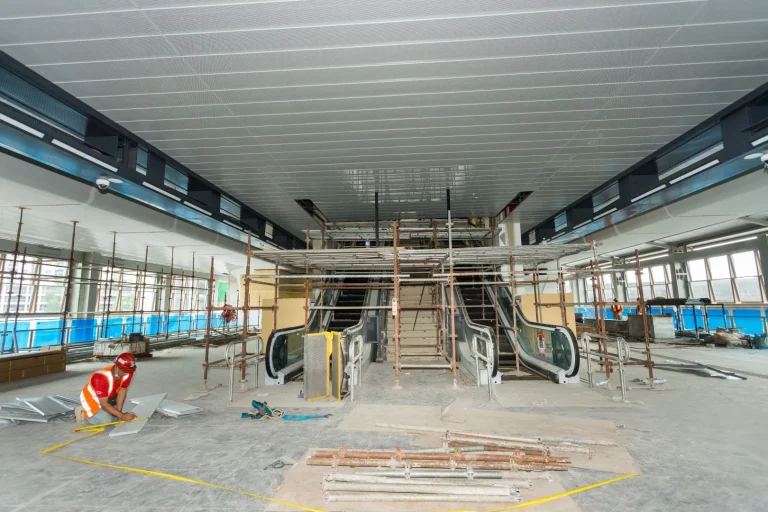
(335,99)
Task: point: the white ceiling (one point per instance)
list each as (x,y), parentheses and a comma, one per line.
(53,201)
(333,100)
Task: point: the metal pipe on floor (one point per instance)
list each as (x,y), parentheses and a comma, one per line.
(458,457)
(379,479)
(465,449)
(435,473)
(435,464)
(425,487)
(579,440)
(570,448)
(397,497)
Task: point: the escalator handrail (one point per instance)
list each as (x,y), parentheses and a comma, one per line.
(575,359)
(272,372)
(460,306)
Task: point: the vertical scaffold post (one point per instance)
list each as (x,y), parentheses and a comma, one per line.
(10,283)
(451,280)
(513,289)
(209,320)
(396,300)
(67,289)
(643,311)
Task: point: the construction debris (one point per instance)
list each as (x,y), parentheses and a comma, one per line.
(172,408)
(38,409)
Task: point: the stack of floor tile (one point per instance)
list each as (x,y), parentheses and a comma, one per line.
(38,409)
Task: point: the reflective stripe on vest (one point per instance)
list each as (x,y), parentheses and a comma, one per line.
(88,397)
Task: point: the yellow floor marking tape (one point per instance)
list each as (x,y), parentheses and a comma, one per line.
(93,430)
(560,495)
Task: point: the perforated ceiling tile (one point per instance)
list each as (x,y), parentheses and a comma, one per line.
(334,99)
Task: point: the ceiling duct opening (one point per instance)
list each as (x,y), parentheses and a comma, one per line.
(311,208)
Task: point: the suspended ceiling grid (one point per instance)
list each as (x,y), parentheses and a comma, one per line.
(332,100)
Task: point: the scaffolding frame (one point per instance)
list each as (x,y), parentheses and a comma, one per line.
(16,275)
(405,265)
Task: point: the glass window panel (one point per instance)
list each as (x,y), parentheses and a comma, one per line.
(744,264)
(631,293)
(630,278)
(718,267)
(658,274)
(176,179)
(722,289)
(749,289)
(647,292)
(608,295)
(697,271)
(659,290)
(699,290)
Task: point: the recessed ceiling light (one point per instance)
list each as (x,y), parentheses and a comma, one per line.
(752,156)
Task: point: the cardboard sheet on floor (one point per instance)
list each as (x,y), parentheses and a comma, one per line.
(144,409)
(282,397)
(303,486)
(614,459)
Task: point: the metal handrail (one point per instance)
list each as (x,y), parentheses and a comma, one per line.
(488,362)
(621,357)
(355,364)
(234,358)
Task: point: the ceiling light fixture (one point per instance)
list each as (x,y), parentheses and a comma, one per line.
(729,242)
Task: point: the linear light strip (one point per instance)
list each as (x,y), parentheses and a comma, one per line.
(695,171)
(694,159)
(760,141)
(729,242)
(21,126)
(650,192)
(158,189)
(604,213)
(197,208)
(233,225)
(582,224)
(84,155)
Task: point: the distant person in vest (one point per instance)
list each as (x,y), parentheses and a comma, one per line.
(617,309)
(102,399)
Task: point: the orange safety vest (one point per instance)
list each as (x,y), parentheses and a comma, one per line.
(617,309)
(88,397)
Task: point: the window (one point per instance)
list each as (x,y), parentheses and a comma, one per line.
(607,287)
(229,207)
(720,275)
(141,161)
(746,277)
(175,179)
(608,195)
(561,222)
(269,230)
(659,281)
(531,237)
(697,279)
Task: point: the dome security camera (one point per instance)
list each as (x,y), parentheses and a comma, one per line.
(102,184)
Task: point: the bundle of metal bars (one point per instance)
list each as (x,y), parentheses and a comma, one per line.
(38,409)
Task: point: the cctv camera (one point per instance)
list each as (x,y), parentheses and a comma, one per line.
(102,184)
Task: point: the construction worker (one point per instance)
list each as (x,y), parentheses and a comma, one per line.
(617,309)
(102,399)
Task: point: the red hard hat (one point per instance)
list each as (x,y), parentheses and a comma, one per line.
(126,362)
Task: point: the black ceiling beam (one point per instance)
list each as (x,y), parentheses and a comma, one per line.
(738,124)
(117,146)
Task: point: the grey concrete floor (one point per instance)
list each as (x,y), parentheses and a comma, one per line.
(705,449)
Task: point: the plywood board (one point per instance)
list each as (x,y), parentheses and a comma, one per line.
(144,409)
(549,314)
(303,486)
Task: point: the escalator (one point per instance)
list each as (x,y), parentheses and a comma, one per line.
(560,359)
(285,347)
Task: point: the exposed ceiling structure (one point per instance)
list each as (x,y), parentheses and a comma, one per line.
(51,202)
(333,100)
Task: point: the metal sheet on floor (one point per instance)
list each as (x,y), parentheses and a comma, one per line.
(45,405)
(144,409)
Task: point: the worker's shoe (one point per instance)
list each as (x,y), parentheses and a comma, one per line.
(79,415)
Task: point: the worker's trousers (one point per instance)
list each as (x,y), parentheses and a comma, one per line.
(100,417)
